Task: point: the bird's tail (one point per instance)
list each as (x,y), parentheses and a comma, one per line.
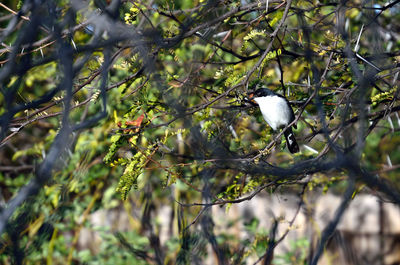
(291,141)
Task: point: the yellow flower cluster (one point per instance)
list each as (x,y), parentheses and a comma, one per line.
(130,18)
(382,96)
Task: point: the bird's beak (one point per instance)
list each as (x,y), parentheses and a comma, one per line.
(251,99)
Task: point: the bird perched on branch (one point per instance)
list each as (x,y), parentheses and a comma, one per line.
(277,112)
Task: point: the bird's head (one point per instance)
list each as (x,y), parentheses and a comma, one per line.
(261,92)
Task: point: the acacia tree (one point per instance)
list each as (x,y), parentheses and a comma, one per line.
(100,98)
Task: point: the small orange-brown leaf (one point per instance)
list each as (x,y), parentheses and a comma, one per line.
(136,122)
(174,83)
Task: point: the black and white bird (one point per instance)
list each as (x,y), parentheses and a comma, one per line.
(277,112)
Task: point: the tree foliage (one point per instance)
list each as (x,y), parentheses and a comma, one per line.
(144,103)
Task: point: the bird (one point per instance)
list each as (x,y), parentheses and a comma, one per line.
(277,112)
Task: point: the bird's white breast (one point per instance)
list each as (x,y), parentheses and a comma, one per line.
(275,110)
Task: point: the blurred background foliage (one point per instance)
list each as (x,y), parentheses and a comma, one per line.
(172,115)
